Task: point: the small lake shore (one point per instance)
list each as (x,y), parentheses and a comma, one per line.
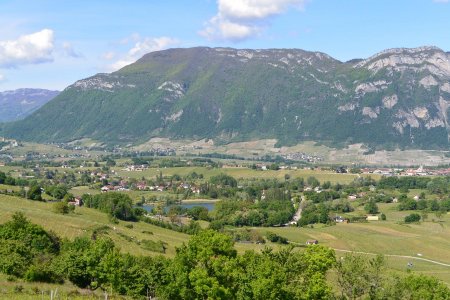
(192,201)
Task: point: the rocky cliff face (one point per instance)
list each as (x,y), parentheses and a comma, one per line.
(399,97)
(419,79)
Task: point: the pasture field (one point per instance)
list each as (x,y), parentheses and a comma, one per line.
(9,187)
(428,240)
(238,173)
(85,220)
(23,290)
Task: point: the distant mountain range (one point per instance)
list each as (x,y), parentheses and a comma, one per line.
(398,97)
(17,104)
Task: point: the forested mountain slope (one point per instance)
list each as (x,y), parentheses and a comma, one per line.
(399,97)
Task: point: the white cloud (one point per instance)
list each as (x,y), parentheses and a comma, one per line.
(34,48)
(108,55)
(70,51)
(142,47)
(255,9)
(241,19)
(2,78)
(132,38)
(220,28)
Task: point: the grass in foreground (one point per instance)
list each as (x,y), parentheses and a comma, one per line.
(85,220)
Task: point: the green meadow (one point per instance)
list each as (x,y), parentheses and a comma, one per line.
(242,172)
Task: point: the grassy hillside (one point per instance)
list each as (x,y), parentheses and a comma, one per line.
(431,239)
(84,221)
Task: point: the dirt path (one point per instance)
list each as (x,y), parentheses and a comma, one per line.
(388,255)
(396,255)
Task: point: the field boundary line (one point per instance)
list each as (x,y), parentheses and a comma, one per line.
(396,255)
(387,255)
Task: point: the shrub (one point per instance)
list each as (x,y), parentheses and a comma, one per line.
(275,238)
(61,208)
(153,246)
(412,218)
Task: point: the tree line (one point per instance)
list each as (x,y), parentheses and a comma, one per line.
(207,267)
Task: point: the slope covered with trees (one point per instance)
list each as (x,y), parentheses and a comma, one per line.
(207,267)
(398,97)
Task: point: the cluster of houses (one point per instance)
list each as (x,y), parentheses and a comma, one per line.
(265,167)
(144,186)
(302,156)
(420,171)
(118,188)
(98,176)
(7,144)
(132,168)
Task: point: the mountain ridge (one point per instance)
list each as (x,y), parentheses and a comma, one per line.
(396,98)
(19,103)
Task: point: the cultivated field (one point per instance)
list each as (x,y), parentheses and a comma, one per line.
(428,240)
(238,173)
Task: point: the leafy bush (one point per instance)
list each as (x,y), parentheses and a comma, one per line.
(223,180)
(412,218)
(153,246)
(371,207)
(275,238)
(26,250)
(61,207)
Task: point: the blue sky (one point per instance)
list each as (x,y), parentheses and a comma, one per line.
(53,43)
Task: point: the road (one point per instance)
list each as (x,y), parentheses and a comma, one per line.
(298,213)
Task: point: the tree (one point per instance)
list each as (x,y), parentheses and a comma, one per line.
(424,215)
(358,276)
(198,213)
(313,182)
(61,207)
(223,180)
(110,162)
(201,269)
(422,204)
(34,193)
(414,287)
(439,214)
(117,205)
(2,177)
(25,248)
(274,167)
(57,192)
(412,218)
(371,207)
